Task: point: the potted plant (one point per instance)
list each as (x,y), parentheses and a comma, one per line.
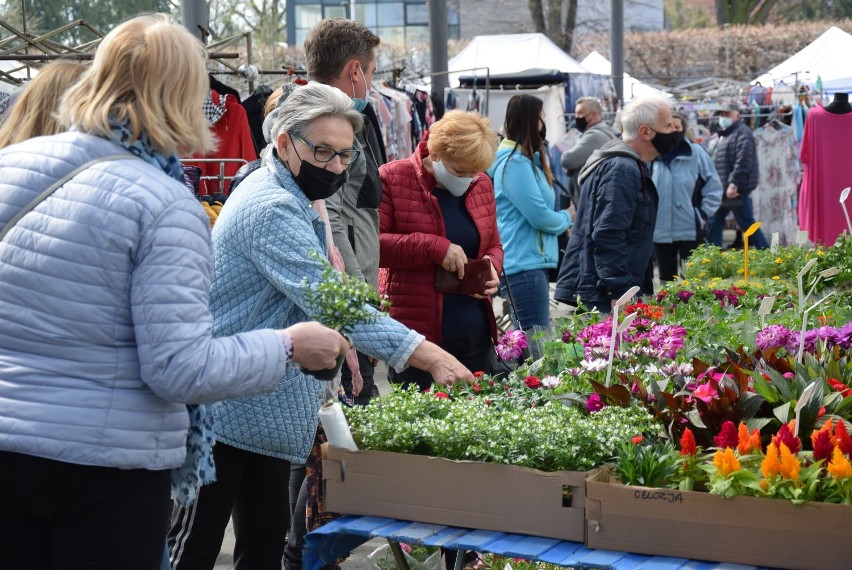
(340,302)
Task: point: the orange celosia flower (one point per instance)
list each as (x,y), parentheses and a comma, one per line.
(839,466)
(771,465)
(726,462)
(747,442)
(687,443)
(789,464)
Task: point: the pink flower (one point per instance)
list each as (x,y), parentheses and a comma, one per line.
(594,403)
(706,392)
(511,345)
(728,436)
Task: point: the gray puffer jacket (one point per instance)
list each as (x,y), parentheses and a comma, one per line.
(105,330)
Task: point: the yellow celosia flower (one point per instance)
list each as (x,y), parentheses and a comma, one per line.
(779,260)
(839,466)
(726,462)
(789,464)
(771,465)
(775,277)
(705,260)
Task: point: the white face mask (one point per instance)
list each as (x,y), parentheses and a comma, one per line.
(725,122)
(455,185)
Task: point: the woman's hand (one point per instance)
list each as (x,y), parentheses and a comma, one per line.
(492,284)
(443,366)
(454,260)
(316,347)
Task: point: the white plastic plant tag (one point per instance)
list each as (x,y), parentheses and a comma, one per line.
(799,277)
(765,308)
(626,322)
(806,396)
(627,296)
(773,244)
(801,237)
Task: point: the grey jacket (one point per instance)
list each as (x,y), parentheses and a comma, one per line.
(353,211)
(105,329)
(574,158)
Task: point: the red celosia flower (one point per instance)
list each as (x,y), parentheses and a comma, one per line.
(687,443)
(839,386)
(476,387)
(727,437)
(442,395)
(487,402)
(478,374)
(823,443)
(821,412)
(785,436)
(844,441)
(737,291)
(637,439)
(427,390)
(532,382)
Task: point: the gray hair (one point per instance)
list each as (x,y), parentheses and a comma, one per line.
(641,111)
(591,104)
(311,102)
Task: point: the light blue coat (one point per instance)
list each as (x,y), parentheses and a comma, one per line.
(526,220)
(105,328)
(262,240)
(675,183)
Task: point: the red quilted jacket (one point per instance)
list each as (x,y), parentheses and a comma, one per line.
(412,242)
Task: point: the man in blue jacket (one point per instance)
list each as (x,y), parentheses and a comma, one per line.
(736,162)
(610,248)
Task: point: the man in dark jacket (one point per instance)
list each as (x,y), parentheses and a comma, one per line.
(610,248)
(342,53)
(736,162)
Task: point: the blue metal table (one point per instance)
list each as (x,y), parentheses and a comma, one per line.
(338,538)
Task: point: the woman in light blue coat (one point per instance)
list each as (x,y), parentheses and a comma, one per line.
(528,224)
(690,192)
(263,243)
(105,327)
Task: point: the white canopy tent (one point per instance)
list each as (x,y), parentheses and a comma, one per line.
(827,57)
(511,53)
(596,63)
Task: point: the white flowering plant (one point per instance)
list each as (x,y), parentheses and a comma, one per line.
(548,436)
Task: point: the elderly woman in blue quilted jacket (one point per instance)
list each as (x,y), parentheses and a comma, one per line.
(263,243)
(105,328)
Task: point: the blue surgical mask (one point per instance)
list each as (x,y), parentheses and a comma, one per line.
(725,123)
(360,103)
(455,185)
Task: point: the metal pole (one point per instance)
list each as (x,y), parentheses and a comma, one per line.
(352,10)
(438,35)
(193,13)
(616,46)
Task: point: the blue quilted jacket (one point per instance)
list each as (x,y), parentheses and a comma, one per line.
(105,326)
(261,243)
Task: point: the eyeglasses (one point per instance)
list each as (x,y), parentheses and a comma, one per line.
(327,154)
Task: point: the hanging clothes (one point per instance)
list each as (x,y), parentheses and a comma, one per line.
(827,171)
(231,127)
(774,200)
(253,105)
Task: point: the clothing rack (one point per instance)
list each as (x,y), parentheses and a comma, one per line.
(221,177)
(483,111)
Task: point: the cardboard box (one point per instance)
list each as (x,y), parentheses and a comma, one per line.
(701,526)
(467,494)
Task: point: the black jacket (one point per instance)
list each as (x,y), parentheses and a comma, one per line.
(610,246)
(736,159)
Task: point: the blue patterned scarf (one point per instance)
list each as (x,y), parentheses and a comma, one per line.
(198,467)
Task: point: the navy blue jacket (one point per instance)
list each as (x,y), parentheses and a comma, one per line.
(736,158)
(610,246)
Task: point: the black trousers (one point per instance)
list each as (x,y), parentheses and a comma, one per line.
(669,256)
(252,489)
(367,371)
(63,516)
(476,353)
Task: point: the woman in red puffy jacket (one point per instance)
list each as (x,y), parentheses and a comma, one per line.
(437,213)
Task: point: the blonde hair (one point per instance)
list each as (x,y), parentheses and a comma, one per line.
(151,74)
(33,114)
(464,137)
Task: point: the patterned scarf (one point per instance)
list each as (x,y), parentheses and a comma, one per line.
(198,467)
(212,111)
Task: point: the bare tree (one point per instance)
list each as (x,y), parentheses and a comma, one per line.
(551,22)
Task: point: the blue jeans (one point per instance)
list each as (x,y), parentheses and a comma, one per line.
(530,298)
(744,217)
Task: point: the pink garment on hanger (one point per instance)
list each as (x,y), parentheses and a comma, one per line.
(827,171)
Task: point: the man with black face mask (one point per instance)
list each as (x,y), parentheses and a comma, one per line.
(610,248)
(596,133)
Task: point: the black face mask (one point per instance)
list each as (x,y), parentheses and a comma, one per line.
(581,123)
(666,142)
(318,183)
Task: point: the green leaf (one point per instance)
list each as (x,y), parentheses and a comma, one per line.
(782,412)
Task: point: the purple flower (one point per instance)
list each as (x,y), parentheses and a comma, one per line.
(684,295)
(773,336)
(511,345)
(844,336)
(567,337)
(594,403)
(720,295)
(828,334)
